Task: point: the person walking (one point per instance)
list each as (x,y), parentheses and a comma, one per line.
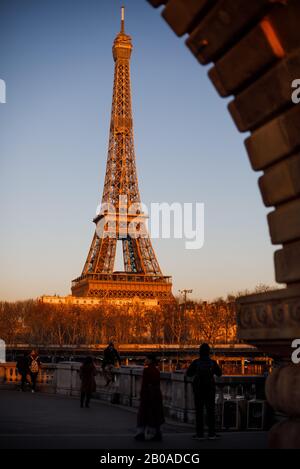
(34,364)
(87,375)
(22,366)
(110,358)
(203,370)
(150,414)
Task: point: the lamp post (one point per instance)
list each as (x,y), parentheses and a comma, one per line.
(184,292)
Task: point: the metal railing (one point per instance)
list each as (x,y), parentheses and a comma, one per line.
(123,277)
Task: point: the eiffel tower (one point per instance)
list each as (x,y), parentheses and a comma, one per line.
(121,216)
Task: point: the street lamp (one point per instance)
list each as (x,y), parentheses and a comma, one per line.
(184,292)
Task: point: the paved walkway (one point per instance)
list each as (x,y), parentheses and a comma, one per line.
(51,421)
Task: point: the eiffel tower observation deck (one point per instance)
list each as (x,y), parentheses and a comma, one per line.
(121,216)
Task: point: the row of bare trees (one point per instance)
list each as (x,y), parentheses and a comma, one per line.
(196,322)
(39,323)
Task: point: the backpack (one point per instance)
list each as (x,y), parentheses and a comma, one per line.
(34,366)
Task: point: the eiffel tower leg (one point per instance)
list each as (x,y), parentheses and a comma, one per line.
(101,256)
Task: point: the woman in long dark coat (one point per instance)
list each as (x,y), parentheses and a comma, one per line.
(150,414)
(87,375)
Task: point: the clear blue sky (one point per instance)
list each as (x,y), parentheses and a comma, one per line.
(57,63)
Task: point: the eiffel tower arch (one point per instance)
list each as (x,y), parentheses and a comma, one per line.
(121,216)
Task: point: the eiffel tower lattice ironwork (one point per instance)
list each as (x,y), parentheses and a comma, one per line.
(121,216)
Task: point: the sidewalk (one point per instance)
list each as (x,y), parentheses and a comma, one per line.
(51,421)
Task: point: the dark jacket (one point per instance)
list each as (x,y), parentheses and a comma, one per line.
(23,365)
(151,405)
(87,375)
(110,356)
(203,370)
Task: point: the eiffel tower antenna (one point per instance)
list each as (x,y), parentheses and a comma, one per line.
(123,19)
(142,276)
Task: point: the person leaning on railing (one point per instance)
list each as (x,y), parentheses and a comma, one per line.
(22,366)
(110,357)
(203,370)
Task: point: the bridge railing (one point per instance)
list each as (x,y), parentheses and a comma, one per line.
(63,378)
(9,376)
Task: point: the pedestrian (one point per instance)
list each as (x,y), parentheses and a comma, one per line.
(34,364)
(23,369)
(110,358)
(203,370)
(150,414)
(87,375)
